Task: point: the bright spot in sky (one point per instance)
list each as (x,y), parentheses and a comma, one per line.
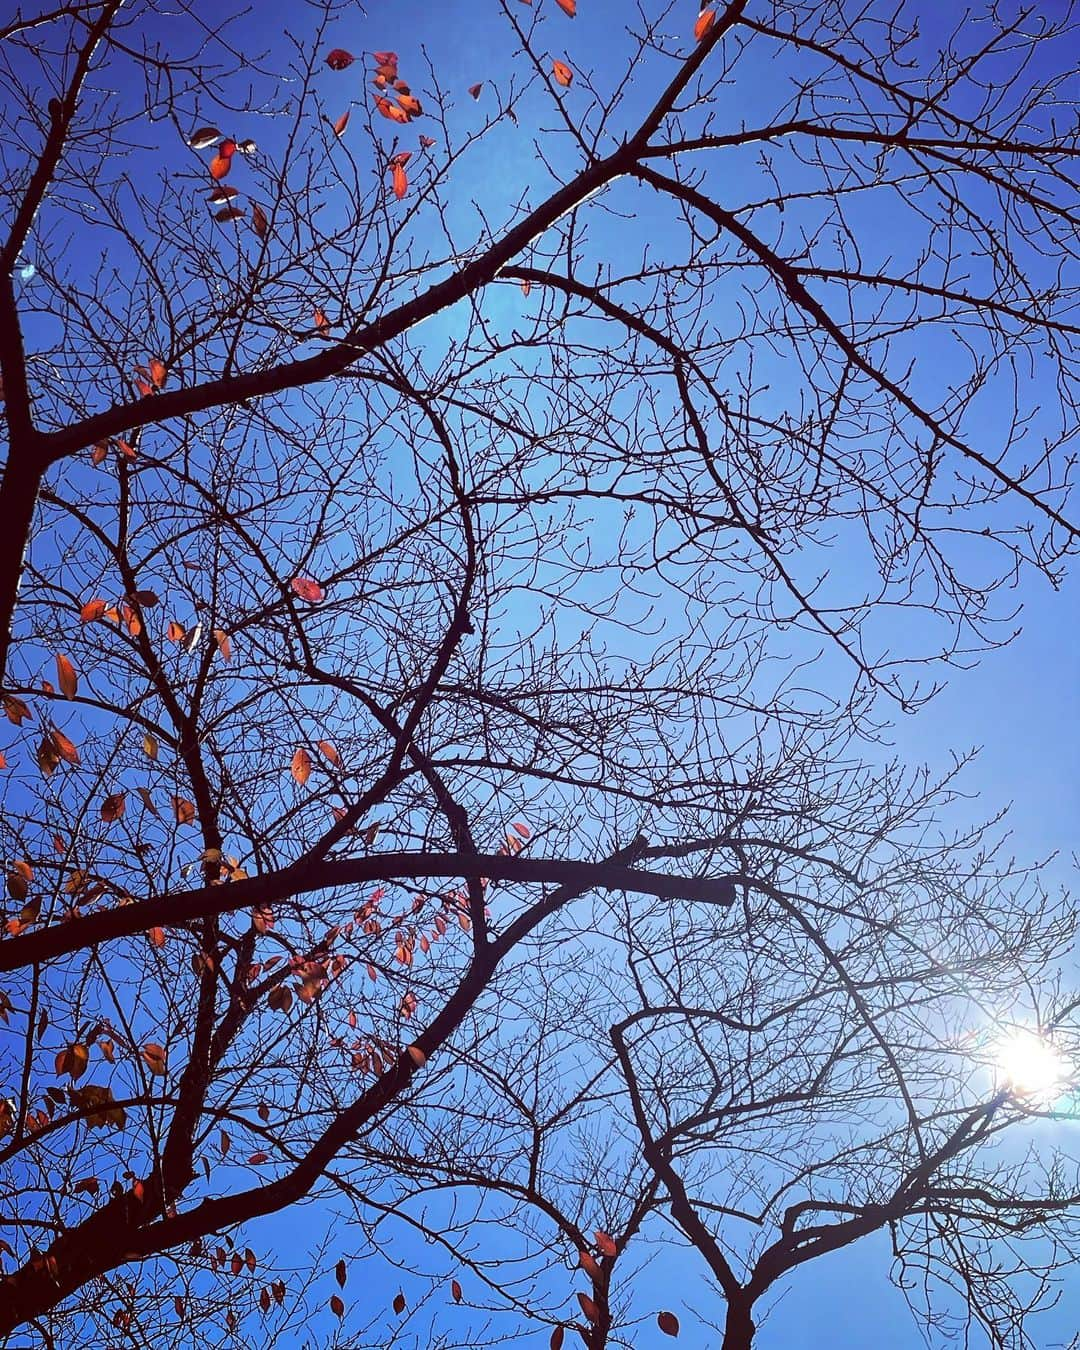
(1030,1066)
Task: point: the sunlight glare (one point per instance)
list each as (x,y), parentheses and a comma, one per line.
(1030,1066)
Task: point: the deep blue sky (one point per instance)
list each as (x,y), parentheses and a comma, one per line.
(1017,704)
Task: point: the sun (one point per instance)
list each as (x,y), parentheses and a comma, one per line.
(1030,1066)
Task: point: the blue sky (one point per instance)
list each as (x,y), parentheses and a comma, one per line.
(1017,704)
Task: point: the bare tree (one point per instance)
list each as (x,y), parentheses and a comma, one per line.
(468,565)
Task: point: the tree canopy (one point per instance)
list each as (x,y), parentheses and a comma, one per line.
(477,487)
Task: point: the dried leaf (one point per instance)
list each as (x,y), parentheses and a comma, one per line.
(93,609)
(203,138)
(589,1308)
(219,167)
(668,1323)
(340,1273)
(150,746)
(399,1303)
(474,89)
(329,750)
(73,1060)
(301,765)
(224,646)
(606,1244)
(568,7)
(154,1057)
(65,748)
(113,807)
(562,72)
(557,1338)
(66,676)
(339,59)
(228,213)
(307,589)
(259,223)
(337,1305)
(391,110)
(183,810)
(342,123)
(705,21)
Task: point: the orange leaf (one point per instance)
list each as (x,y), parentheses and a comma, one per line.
(590,1265)
(66,677)
(154,1057)
(606,1243)
(156,937)
(328,749)
(705,21)
(322,323)
(307,589)
(410,105)
(183,810)
(113,807)
(568,7)
(668,1323)
(73,1060)
(401,183)
(64,747)
(301,765)
(158,373)
(417,1056)
(455,1289)
(391,110)
(339,59)
(562,72)
(219,166)
(93,609)
(341,123)
(223,643)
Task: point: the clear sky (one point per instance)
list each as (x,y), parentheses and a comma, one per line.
(1017,704)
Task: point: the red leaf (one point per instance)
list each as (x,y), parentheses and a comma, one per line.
(259,222)
(589,1308)
(455,1289)
(65,748)
(705,21)
(557,1337)
(568,7)
(322,323)
(339,59)
(590,1266)
(337,1305)
(606,1243)
(93,609)
(474,89)
(228,213)
(113,807)
(426,142)
(668,1323)
(307,589)
(158,371)
(340,1273)
(400,181)
(341,123)
(399,1303)
(219,167)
